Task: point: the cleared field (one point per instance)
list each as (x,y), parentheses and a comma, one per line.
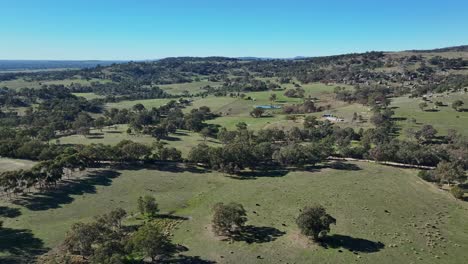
(384,214)
(191,88)
(148,103)
(216,104)
(7,164)
(444,119)
(183,140)
(230,122)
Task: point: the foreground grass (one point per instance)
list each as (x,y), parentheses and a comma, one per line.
(384,214)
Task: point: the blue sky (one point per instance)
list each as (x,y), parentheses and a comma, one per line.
(149,29)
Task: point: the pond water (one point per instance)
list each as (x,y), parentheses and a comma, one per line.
(268,106)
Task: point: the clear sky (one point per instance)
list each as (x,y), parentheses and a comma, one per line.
(150,29)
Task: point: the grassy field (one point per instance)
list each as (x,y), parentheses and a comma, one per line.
(182,140)
(7,164)
(148,103)
(444,119)
(384,214)
(191,88)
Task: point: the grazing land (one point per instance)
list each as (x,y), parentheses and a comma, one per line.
(393,222)
(443,118)
(187,88)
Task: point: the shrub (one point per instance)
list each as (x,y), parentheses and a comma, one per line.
(426,175)
(457,192)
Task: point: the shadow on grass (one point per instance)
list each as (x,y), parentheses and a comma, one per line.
(63,193)
(94,137)
(252,175)
(176,167)
(172,217)
(351,243)
(9,212)
(399,118)
(113,132)
(273,171)
(256,234)
(182,259)
(19,246)
(169,138)
(338,165)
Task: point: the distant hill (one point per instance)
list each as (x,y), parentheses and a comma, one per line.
(28,65)
(462,48)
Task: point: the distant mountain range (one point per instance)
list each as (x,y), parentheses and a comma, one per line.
(26,65)
(33,65)
(462,48)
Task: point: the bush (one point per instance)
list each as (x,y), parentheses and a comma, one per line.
(457,192)
(427,175)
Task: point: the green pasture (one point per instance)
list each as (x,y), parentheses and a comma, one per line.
(384,214)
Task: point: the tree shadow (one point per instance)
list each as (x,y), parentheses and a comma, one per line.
(167,166)
(62,194)
(338,165)
(399,118)
(94,137)
(183,259)
(19,246)
(169,138)
(256,234)
(254,174)
(9,212)
(351,243)
(172,217)
(113,132)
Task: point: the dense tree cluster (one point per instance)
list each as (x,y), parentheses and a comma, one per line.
(107,241)
(244,148)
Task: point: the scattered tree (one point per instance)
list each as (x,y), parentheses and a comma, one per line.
(257,112)
(457,104)
(314,222)
(147,206)
(228,218)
